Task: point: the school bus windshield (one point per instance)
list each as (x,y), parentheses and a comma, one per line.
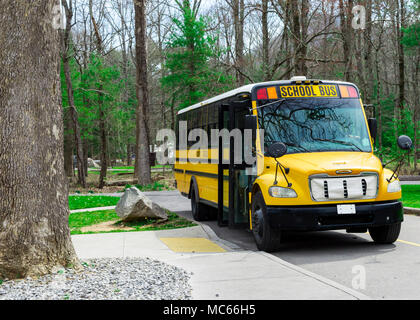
(315,125)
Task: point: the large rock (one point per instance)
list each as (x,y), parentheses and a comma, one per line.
(92,164)
(134,205)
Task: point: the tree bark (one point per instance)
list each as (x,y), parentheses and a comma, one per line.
(34,232)
(142,168)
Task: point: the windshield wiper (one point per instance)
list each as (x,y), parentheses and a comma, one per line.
(342,142)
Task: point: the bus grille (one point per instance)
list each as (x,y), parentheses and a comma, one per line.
(344,188)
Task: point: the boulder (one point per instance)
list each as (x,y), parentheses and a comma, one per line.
(135,205)
(92,163)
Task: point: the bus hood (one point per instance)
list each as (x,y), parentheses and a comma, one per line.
(331,163)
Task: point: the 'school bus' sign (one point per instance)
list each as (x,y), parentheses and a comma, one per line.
(307,91)
(304,91)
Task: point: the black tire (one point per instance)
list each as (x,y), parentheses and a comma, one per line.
(267,238)
(385,234)
(199,210)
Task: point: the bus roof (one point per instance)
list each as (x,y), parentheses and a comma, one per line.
(248,89)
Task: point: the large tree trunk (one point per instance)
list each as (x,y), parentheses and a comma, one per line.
(34,232)
(142,169)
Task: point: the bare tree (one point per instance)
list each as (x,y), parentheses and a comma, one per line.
(102,123)
(142,168)
(66,48)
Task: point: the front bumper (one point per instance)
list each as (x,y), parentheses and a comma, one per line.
(325,217)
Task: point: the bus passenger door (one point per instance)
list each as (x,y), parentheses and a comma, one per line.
(234,187)
(223,167)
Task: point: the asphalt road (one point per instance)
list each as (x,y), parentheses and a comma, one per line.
(391,271)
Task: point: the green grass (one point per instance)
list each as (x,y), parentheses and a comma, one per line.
(84,219)
(411,196)
(132,168)
(84,202)
(156,186)
(112,172)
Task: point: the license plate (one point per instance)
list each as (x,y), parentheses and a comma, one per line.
(346,208)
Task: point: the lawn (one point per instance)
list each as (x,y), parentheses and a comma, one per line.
(83,202)
(132,168)
(411,196)
(156,186)
(114,172)
(84,219)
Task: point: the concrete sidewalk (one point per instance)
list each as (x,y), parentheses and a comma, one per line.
(220,269)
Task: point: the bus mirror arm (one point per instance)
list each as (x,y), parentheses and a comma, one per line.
(277,150)
(284,172)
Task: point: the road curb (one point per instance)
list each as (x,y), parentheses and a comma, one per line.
(354,293)
(213,236)
(414,211)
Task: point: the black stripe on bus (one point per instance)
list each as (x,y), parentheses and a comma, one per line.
(205,174)
(196,160)
(179,170)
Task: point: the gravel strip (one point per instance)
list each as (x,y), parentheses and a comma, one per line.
(105,279)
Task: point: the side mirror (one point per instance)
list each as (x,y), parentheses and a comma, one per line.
(404,142)
(277,150)
(372,124)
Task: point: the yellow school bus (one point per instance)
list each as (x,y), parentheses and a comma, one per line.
(313,168)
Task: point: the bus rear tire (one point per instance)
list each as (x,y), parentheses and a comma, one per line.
(199,210)
(385,234)
(266,238)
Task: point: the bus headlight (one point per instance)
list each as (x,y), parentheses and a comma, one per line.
(280,192)
(394,186)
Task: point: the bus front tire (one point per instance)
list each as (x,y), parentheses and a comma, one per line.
(267,238)
(385,234)
(199,210)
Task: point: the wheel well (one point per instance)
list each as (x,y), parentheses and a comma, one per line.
(255,189)
(193,182)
